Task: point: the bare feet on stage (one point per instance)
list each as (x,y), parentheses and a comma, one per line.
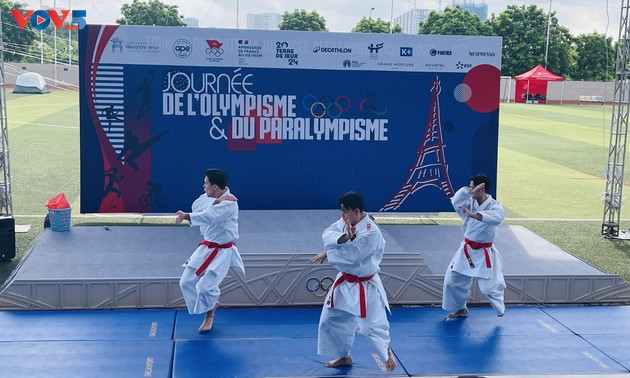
(343,361)
(206,326)
(459,313)
(390,365)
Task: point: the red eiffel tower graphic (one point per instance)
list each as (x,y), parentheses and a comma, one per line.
(430,167)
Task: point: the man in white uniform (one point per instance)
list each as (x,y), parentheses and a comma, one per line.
(216,214)
(476,257)
(354,246)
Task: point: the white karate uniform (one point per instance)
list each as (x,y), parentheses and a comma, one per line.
(459,274)
(360,257)
(218,224)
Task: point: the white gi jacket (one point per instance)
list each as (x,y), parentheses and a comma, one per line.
(360,257)
(483,231)
(218,224)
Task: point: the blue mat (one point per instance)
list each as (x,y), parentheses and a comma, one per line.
(482,321)
(86,325)
(615,346)
(251,323)
(281,357)
(282,342)
(95,359)
(498,354)
(593,320)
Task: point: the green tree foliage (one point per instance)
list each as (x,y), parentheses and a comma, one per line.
(370,25)
(454,21)
(595,58)
(153,12)
(302,20)
(17,42)
(524,32)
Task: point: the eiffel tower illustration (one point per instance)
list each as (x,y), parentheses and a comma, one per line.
(430,168)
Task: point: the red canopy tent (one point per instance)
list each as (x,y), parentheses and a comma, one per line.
(532,85)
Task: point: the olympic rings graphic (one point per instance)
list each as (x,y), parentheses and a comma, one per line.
(326,105)
(318,287)
(214,51)
(365,102)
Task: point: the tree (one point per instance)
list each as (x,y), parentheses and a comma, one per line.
(595,58)
(17,42)
(524,32)
(302,20)
(370,25)
(454,21)
(153,12)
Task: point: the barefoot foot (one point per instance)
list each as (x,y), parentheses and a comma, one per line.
(459,313)
(343,361)
(206,326)
(390,365)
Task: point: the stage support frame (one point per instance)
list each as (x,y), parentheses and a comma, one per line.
(613,199)
(7,249)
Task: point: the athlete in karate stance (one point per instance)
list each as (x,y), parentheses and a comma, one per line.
(354,245)
(216,214)
(476,257)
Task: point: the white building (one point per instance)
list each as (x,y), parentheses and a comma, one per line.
(263,21)
(409,20)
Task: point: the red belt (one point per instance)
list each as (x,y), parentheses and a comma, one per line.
(476,245)
(216,247)
(353,279)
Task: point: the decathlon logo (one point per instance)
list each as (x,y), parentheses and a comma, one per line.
(40,19)
(332,50)
(182,48)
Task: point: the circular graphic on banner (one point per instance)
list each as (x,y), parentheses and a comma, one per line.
(483,81)
(462,93)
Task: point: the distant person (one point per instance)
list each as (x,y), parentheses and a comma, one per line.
(477,257)
(354,246)
(216,214)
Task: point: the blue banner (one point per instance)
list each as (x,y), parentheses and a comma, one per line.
(295,119)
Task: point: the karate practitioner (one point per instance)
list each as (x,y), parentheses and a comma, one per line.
(354,246)
(216,214)
(476,257)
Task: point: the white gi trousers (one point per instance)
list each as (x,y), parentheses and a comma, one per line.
(338,327)
(201,293)
(456,289)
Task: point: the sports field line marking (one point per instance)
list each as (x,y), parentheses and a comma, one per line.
(45,124)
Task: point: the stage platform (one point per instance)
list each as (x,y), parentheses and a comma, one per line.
(529,341)
(130,267)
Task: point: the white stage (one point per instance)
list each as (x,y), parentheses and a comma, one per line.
(139,266)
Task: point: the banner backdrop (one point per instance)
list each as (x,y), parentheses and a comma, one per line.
(295,118)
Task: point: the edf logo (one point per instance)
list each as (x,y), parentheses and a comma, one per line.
(40,19)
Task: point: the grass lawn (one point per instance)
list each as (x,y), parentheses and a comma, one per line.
(552,163)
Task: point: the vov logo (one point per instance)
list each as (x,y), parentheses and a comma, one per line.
(41,19)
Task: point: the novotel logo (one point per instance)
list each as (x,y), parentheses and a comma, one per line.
(41,19)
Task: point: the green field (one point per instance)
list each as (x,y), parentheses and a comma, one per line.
(552,163)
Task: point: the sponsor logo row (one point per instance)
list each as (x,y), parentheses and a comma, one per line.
(246,51)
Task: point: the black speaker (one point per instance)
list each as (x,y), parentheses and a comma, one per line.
(7,238)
